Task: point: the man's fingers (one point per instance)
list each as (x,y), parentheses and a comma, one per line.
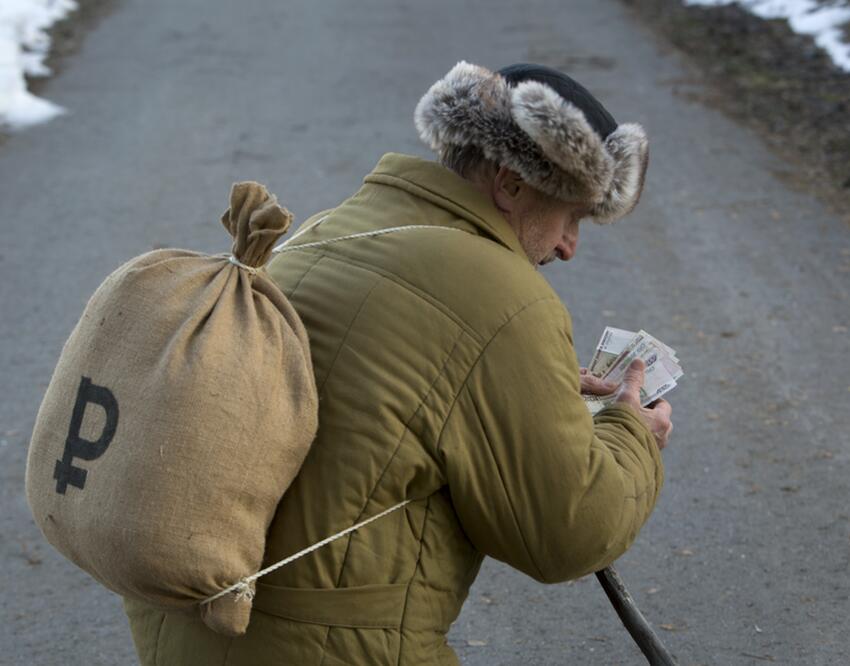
(595,386)
(633,379)
(663,408)
(657,415)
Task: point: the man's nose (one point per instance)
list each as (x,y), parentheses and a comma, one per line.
(569,244)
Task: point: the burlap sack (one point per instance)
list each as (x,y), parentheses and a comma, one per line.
(182,407)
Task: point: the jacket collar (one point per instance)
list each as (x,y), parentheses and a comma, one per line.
(442,187)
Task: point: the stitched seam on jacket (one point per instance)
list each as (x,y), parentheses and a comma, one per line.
(227,652)
(464,386)
(481,353)
(319,255)
(396,449)
(396,279)
(159,639)
(410,582)
(401,282)
(344,337)
(324,641)
(508,499)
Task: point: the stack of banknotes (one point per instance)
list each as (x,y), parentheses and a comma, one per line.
(617,349)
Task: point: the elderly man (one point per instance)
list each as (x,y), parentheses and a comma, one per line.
(447,377)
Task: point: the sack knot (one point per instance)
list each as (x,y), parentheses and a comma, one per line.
(244,590)
(256,221)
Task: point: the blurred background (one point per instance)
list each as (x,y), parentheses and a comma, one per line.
(738,256)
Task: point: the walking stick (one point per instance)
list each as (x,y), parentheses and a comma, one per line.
(651,646)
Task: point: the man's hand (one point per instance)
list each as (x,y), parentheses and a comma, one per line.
(657,415)
(591,385)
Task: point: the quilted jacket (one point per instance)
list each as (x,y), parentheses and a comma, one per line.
(447,376)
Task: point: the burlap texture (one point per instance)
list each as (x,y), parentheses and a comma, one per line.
(182,407)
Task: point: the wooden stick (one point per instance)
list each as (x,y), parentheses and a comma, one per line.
(651,646)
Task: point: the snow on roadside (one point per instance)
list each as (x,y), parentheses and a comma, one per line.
(806,17)
(24,45)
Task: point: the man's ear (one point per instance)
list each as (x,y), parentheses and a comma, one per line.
(507,189)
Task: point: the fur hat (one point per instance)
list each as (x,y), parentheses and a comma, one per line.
(537,132)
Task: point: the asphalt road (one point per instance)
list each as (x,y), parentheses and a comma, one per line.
(747,557)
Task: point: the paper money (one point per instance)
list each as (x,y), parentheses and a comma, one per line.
(642,345)
(612,342)
(596,403)
(616,350)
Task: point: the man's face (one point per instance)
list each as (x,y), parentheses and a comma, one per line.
(548,229)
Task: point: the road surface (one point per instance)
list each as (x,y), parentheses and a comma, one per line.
(747,558)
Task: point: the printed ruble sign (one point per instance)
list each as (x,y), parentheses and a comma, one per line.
(65,472)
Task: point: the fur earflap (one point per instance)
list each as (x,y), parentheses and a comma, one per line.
(629,147)
(567,140)
(471,105)
(534,131)
(458,108)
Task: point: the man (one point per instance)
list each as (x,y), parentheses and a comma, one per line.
(447,376)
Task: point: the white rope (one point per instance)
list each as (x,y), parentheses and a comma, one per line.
(300,232)
(286,247)
(243,587)
(251,269)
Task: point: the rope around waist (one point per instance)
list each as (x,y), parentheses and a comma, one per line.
(243,589)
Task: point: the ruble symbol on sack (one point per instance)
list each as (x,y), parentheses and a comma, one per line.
(65,472)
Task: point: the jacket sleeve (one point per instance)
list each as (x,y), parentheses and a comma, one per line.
(535,481)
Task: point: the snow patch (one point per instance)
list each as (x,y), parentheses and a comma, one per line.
(24,45)
(806,17)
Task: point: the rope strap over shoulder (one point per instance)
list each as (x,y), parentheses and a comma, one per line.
(244,590)
(288,247)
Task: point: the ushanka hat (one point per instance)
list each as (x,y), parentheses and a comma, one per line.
(543,125)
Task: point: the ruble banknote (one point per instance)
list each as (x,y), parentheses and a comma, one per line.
(617,349)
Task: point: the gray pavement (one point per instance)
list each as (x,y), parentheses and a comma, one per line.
(747,558)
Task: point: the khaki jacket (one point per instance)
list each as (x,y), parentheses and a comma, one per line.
(446,375)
